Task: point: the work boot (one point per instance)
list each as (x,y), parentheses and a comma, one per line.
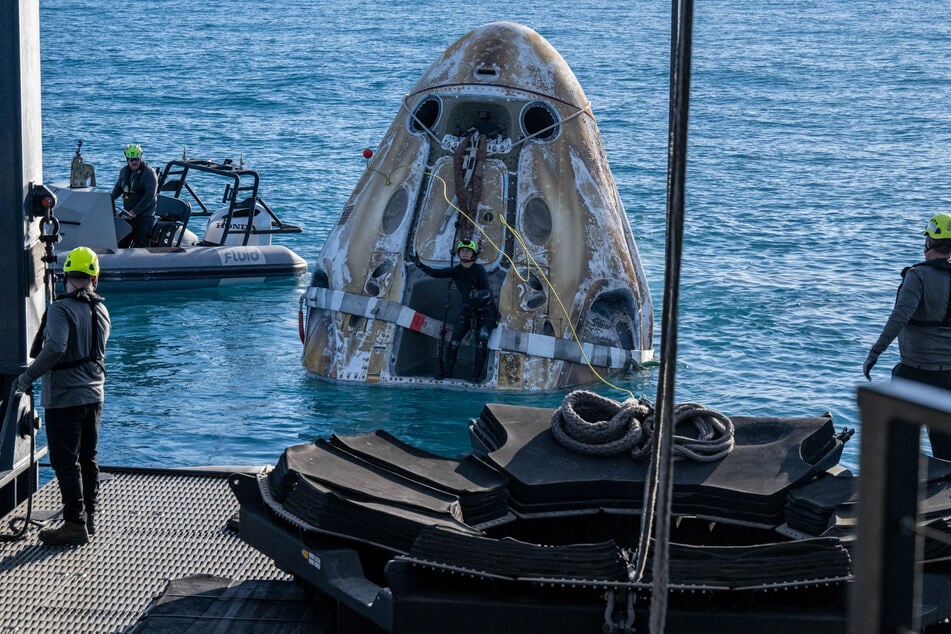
(69,534)
(91,524)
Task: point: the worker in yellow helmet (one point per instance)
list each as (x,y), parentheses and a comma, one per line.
(138,187)
(921,320)
(69,354)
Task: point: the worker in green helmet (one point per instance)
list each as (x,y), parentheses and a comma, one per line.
(478,305)
(138,186)
(921,320)
(69,354)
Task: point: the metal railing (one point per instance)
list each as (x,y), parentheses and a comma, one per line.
(886,595)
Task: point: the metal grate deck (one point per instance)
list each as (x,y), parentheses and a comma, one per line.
(153,527)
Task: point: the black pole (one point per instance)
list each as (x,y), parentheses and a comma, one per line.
(21,295)
(681,37)
(20,164)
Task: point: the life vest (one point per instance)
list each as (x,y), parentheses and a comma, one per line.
(945,266)
(132,188)
(94,356)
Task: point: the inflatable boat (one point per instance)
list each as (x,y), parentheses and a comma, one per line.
(235,242)
(497,145)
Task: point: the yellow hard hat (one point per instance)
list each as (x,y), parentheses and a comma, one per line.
(82,261)
(133,150)
(939,227)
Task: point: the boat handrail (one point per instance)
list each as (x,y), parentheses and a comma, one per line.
(174,179)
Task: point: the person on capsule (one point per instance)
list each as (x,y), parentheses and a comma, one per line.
(138,186)
(478,305)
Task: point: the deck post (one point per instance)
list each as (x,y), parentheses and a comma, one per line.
(21,163)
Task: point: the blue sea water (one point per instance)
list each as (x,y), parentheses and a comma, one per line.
(818,148)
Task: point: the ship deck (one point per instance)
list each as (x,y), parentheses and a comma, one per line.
(166,557)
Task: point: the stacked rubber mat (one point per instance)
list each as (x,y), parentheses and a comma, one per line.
(375,489)
(819,505)
(828,506)
(771,456)
(480,490)
(758,565)
(512,558)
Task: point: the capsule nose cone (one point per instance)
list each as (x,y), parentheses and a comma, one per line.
(505,54)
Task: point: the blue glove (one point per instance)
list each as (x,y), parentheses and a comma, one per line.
(870,362)
(25,384)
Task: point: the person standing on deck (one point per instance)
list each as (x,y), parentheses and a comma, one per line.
(921,319)
(69,353)
(138,187)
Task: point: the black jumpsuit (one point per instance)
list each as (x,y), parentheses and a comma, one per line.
(477,303)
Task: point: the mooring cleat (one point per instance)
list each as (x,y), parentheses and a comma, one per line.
(69,534)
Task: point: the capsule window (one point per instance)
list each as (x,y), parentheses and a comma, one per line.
(394,211)
(535,296)
(426,114)
(382,268)
(377,280)
(536,221)
(540,121)
(320,279)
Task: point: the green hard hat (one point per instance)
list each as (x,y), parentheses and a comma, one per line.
(468,244)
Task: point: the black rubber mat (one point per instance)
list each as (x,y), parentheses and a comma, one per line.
(749,485)
(481,490)
(741,566)
(723,567)
(207,603)
(356,479)
(392,526)
(513,558)
(830,501)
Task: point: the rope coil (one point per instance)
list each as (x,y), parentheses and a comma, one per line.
(594,425)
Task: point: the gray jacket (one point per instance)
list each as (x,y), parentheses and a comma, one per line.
(67,338)
(921,318)
(138,189)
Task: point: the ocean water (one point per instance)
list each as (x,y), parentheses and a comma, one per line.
(818,148)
